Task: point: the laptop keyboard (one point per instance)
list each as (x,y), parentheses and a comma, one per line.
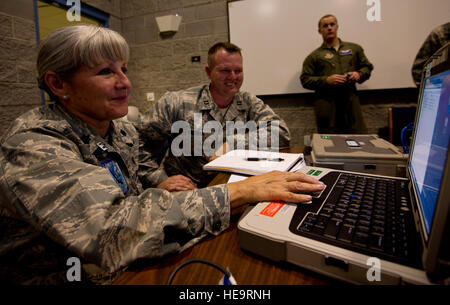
(364,213)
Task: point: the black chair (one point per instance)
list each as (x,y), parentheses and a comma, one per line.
(399,118)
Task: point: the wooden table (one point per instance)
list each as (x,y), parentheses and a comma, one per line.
(224,250)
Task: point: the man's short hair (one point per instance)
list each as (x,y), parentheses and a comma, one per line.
(227,46)
(326,16)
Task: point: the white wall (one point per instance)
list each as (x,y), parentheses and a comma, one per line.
(277,35)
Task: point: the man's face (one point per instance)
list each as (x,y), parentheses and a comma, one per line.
(226,75)
(328,28)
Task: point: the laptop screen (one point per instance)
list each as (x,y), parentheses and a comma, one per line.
(429,152)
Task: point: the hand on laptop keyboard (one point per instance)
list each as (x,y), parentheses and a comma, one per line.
(315,195)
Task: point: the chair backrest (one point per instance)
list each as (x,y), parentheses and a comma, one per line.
(398,118)
(133,114)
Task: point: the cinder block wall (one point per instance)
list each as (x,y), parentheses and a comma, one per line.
(17,60)
(163,63)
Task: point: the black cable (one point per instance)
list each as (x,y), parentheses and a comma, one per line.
(226,272)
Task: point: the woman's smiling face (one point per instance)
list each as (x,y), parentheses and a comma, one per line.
(99,93)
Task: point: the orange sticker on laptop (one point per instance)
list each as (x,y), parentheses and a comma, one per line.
(271,209)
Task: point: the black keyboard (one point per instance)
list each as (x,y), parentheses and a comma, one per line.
(362,213)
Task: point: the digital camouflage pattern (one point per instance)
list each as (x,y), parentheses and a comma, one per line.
(57,201)
(155,129)
(438,37)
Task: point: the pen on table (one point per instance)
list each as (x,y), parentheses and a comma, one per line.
(265,159)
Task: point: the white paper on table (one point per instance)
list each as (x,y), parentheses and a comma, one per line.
(236,178)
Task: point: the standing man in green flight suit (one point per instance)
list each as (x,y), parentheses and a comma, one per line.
(332,71)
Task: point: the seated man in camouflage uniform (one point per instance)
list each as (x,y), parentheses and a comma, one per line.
(221,102)
(69,189)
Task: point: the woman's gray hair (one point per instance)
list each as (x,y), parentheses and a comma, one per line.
(66,49)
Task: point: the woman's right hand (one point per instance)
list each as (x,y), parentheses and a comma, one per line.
(276,185)
(177,183)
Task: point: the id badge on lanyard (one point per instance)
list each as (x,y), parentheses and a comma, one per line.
(114,170)
(116,173)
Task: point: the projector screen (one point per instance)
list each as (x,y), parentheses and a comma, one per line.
(277,35)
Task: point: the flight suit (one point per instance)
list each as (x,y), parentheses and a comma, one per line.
(337,108)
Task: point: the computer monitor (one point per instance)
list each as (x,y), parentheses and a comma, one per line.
(429,165)
(430,148)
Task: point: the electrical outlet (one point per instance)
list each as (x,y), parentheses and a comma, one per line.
(150,96)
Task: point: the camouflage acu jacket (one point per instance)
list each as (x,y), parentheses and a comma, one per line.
(194,108)
(58,200)
(438,37)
